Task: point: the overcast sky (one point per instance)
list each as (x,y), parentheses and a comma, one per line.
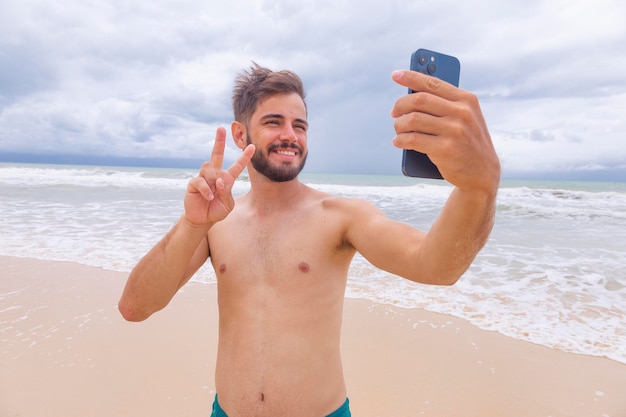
(153,78)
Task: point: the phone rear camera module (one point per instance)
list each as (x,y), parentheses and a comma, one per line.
(432,68)
(423,59)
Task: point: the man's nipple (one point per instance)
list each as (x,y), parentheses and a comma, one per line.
(304,267)
(222,268)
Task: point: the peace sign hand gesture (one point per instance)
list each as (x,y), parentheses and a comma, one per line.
(209,196)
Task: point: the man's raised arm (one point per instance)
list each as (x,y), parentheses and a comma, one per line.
(446,123)
(171,263)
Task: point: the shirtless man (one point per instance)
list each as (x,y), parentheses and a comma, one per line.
(281,253)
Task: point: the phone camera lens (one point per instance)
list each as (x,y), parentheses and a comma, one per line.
(432,68)
(423,59)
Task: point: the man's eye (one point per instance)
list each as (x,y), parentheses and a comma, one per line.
(272,122)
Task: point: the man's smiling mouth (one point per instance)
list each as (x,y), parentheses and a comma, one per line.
(289,150)
(286,152)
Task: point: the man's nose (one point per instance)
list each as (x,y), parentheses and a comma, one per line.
(288,134)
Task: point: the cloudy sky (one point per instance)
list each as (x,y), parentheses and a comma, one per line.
(153,78)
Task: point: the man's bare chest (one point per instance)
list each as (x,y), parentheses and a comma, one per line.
(275,245)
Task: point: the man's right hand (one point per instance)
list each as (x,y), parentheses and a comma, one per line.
(209,196)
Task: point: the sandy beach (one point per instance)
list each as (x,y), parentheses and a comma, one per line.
(66,351)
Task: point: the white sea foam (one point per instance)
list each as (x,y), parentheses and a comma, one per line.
(93,177)
(553,271)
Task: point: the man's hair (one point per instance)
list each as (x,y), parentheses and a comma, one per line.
(258,84)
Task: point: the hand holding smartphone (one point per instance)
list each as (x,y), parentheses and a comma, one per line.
(446,68)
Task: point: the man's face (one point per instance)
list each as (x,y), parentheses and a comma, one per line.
(278,129)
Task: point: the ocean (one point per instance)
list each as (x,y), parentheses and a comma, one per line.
(553,271)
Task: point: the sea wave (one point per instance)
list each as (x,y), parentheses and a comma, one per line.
(526,202)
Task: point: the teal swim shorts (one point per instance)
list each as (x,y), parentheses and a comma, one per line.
(343,411)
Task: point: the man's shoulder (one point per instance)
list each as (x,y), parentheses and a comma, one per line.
(340,203)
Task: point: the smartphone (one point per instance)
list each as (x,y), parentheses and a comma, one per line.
(447,68)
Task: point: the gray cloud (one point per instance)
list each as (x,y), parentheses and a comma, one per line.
(541,136)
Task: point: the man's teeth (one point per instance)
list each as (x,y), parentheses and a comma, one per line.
(288,153)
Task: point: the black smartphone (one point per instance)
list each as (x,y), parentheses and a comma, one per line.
(447,68)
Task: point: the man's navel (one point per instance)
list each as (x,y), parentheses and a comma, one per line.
(304,267)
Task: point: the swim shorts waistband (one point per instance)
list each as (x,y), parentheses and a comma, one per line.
(343,411)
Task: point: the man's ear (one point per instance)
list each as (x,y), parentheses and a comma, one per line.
(239,134)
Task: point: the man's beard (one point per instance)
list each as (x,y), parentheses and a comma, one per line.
(281,173)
